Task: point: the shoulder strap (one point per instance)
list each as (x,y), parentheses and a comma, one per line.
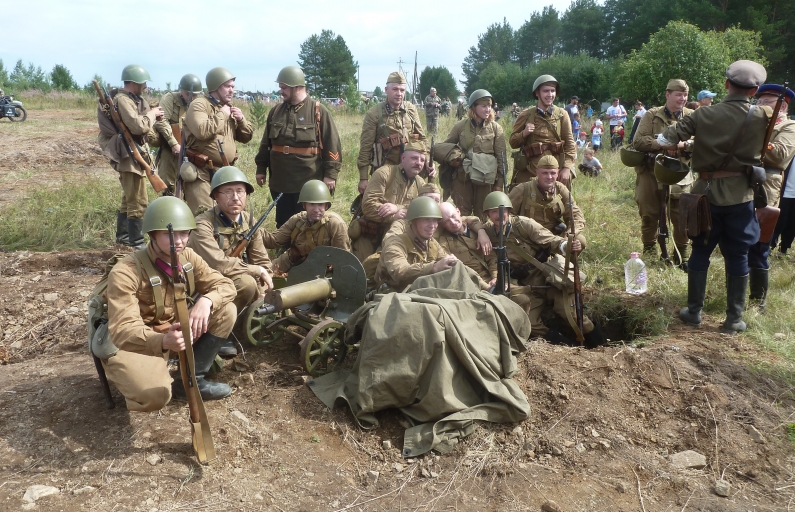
(187,267)
(317,123)
(738,138)
(381,124)
(142,259)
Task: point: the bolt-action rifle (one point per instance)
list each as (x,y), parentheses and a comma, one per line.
(662,225)
(183,155)
(224,160)
(503,284)
(504,174)
(202,438)
(242,244)
(124,134)
(571,257)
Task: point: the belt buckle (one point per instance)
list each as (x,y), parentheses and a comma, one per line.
(286,150)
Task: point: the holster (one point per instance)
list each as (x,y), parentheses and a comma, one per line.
(767,217)
(369,228)
(200,160)
(694,215)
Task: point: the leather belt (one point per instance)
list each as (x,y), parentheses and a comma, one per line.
(291,150)
(716,175)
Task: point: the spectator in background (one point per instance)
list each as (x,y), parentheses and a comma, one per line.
(582,140)
(589,112)
(596,135)
(617,137)
(705,98)
(575,127)
(572,109)
(615,113)
(640,110)
(590,165)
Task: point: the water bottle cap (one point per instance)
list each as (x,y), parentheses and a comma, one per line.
(634,255)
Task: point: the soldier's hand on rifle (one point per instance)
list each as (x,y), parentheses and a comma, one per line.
(576,246)
(528,129)
(484,242)
(236,113)
(363,185)
(445,263)
(492,282)
(200,316)
(431,169)
(226,109)
(564,175)
(176,148)
(387,209)
(173,339)
(331,184)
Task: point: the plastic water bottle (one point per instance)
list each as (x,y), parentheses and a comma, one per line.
(635,275)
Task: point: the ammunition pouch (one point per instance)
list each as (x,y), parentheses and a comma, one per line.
(695,218)
(99,343)
(395,140)
(538,148)
(200,160)
(369,228)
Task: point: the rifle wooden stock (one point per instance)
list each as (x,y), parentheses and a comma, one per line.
(182,154)
(224,160)
(772,124)
(158,184)
(176,131)
(575,265)
(241,245)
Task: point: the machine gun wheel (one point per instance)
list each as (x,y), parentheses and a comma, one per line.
(323,348)
(258,331)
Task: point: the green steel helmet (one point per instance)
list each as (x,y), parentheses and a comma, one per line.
(190,83)
(314,191)
(495,200)
(135,73)
(669,171)
(423,207)
(478,94)
(217,76)
(292,76)
(229,174)
(541,80)
(632,158)
(167,210)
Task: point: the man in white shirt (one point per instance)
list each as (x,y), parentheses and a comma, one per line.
(616,113)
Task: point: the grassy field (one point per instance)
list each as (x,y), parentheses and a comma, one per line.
(77,216)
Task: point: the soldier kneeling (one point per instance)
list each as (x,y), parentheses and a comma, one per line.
(141,313)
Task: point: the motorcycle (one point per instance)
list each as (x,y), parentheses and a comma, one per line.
(12,109)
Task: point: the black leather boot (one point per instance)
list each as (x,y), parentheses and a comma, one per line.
(204,351)
(736,288)
(135,232)
(556,338)
(696,290)
(595,337)
(759,286)
(122,237)
(228,349)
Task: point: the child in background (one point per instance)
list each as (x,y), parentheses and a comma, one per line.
(596,135)
(575,126)
(590,165)
(582,140)
(617,139)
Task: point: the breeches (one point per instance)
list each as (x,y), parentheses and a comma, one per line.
(197,193)
(134,199)
(735,229)
(247,289)
(648,196)
(469,196)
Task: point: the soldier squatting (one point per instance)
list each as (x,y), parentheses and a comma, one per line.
(403,225)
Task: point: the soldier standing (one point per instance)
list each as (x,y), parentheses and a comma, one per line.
(461,110)
(141,313)
(433,104)
(212,122)
(300,143)
(386,128)
(729,144)
(144,124)
(543,130)
(778,155)
(175,107)
(648,192)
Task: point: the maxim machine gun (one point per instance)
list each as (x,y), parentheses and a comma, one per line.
(318,296)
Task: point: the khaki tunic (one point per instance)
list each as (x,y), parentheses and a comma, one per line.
(778,158)
(465,247)
(139,369)
(139,118)
(547,209)
(433,104)
(206,124)
(404,120)
(715,129)
(300,238)
(295,126)
(544,133)
(213,242)
(403,260)
(175,110)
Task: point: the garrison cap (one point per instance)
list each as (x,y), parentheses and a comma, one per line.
(548,162)
(429,188)
(414,145)
(705,94)
(776,89)
(746,73)
(677,84)
(396,77)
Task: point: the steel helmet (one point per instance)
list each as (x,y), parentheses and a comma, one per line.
(135,73)
(541,80)
(167,210)
(291,76)
(495,200)
(190,83)
(669,171)
(478,94)
(423,207)
(217,76)
(229,174)
(632,158)
(315,191)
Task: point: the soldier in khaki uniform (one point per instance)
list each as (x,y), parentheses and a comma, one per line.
(480,172)
(386,128)
(175,107)
(145,125)
(543,130)
(648,192)
(461,110)
(526,241)
(386,199)
(779,153)
(141,313)
(300,143)
(416,252)
(433,104)
(220,229)
(400,226)
(212,118)
(723,161)
(546,201)
(308,229)
(459,236)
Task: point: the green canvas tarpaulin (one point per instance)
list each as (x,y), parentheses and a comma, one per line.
(443,353)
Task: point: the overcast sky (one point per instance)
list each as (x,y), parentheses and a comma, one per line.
(254,39)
